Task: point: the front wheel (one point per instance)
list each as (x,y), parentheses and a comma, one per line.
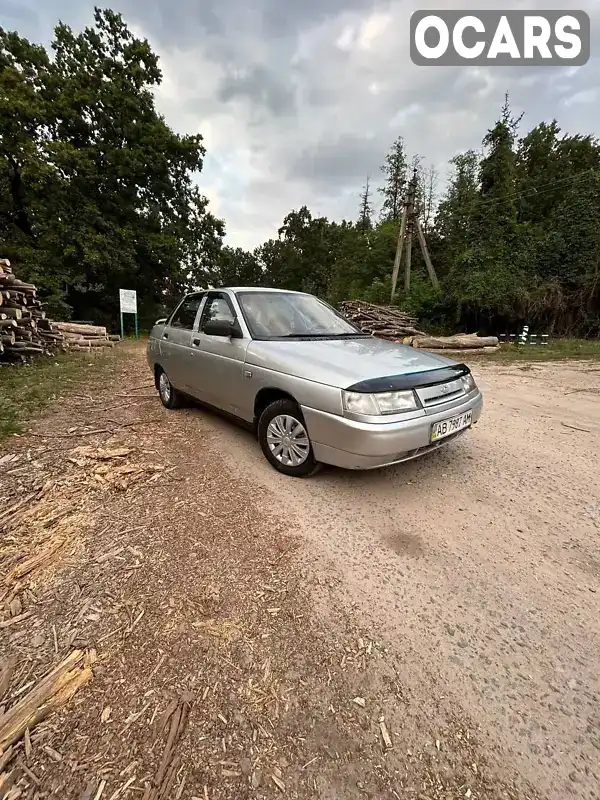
(169,396)
(284,440)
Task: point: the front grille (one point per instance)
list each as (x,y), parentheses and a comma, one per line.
(443,398)
(442,393)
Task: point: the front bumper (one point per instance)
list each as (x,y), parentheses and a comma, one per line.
(345,443)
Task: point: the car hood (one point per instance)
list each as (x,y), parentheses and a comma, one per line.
(342,362)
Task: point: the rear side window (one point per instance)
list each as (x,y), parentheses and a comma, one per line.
(185,315)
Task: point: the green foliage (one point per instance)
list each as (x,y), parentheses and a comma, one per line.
(395,170)
(365,212)
(96,191)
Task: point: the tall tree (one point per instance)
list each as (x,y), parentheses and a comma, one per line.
(429,197)
(365,211)
(455,213)
(395,170)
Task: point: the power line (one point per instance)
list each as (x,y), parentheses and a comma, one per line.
(536,192)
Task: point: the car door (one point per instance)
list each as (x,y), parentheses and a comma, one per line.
(176,341)
(219,376)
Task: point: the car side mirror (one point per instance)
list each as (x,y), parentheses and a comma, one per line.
(217,327)
(161,321)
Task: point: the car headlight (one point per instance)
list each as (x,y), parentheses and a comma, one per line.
(468,383)
(379,404)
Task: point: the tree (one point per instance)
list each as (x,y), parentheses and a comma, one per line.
(395,171)
(366,209)
(237,267)
(104,192)
(429,195)
(455,212)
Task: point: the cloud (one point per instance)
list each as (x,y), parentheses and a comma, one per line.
(299,101)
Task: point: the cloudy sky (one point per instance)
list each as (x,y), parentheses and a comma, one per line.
(299,100)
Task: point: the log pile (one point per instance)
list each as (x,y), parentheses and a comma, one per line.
(381,321)
(25,330)
(81,337)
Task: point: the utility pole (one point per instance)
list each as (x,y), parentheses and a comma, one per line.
(408,226)
(410,222)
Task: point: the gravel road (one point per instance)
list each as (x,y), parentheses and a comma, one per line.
(480,564)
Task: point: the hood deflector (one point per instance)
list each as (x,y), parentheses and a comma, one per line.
(413,380)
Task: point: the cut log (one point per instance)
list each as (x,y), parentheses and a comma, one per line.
(474,351)
(71,327)
(458,342)
(14,313)
(24,349)
(99,343)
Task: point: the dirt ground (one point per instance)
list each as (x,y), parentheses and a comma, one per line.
(428,631)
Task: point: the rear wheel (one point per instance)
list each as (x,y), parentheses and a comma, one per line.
(169,396)
(284,439)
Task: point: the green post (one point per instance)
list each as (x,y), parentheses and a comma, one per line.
(122,332)
(136,328)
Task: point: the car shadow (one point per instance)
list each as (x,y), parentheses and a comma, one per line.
(456,457)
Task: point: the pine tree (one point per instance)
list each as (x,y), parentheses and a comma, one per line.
(366,208)
(395,171)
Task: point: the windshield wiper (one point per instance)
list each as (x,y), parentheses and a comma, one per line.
(357,335)
(306,335)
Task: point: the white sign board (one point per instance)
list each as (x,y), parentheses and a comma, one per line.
(128,299)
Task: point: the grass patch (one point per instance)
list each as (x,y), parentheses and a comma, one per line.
(26,389)
(559,350)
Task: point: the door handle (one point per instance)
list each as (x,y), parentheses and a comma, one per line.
(165,335)
(196,342)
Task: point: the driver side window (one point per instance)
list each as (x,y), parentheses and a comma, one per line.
(217,309)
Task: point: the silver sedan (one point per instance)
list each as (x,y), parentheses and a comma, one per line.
(314,388)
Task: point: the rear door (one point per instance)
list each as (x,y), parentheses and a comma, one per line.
(219,375)
(176,342)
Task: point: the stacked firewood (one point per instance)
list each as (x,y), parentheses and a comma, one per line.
(382,321)
(397,326)
(76,336)
(25,330)
(20,313)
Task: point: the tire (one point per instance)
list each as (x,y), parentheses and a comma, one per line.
(169,396)
(279,419)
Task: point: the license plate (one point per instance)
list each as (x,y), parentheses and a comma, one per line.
(449,426)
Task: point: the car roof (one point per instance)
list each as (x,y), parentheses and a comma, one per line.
(236,289)
(258,289)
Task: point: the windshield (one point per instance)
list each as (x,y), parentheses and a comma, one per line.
(285,315)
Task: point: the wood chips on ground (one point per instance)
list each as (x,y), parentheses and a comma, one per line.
(161,638)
